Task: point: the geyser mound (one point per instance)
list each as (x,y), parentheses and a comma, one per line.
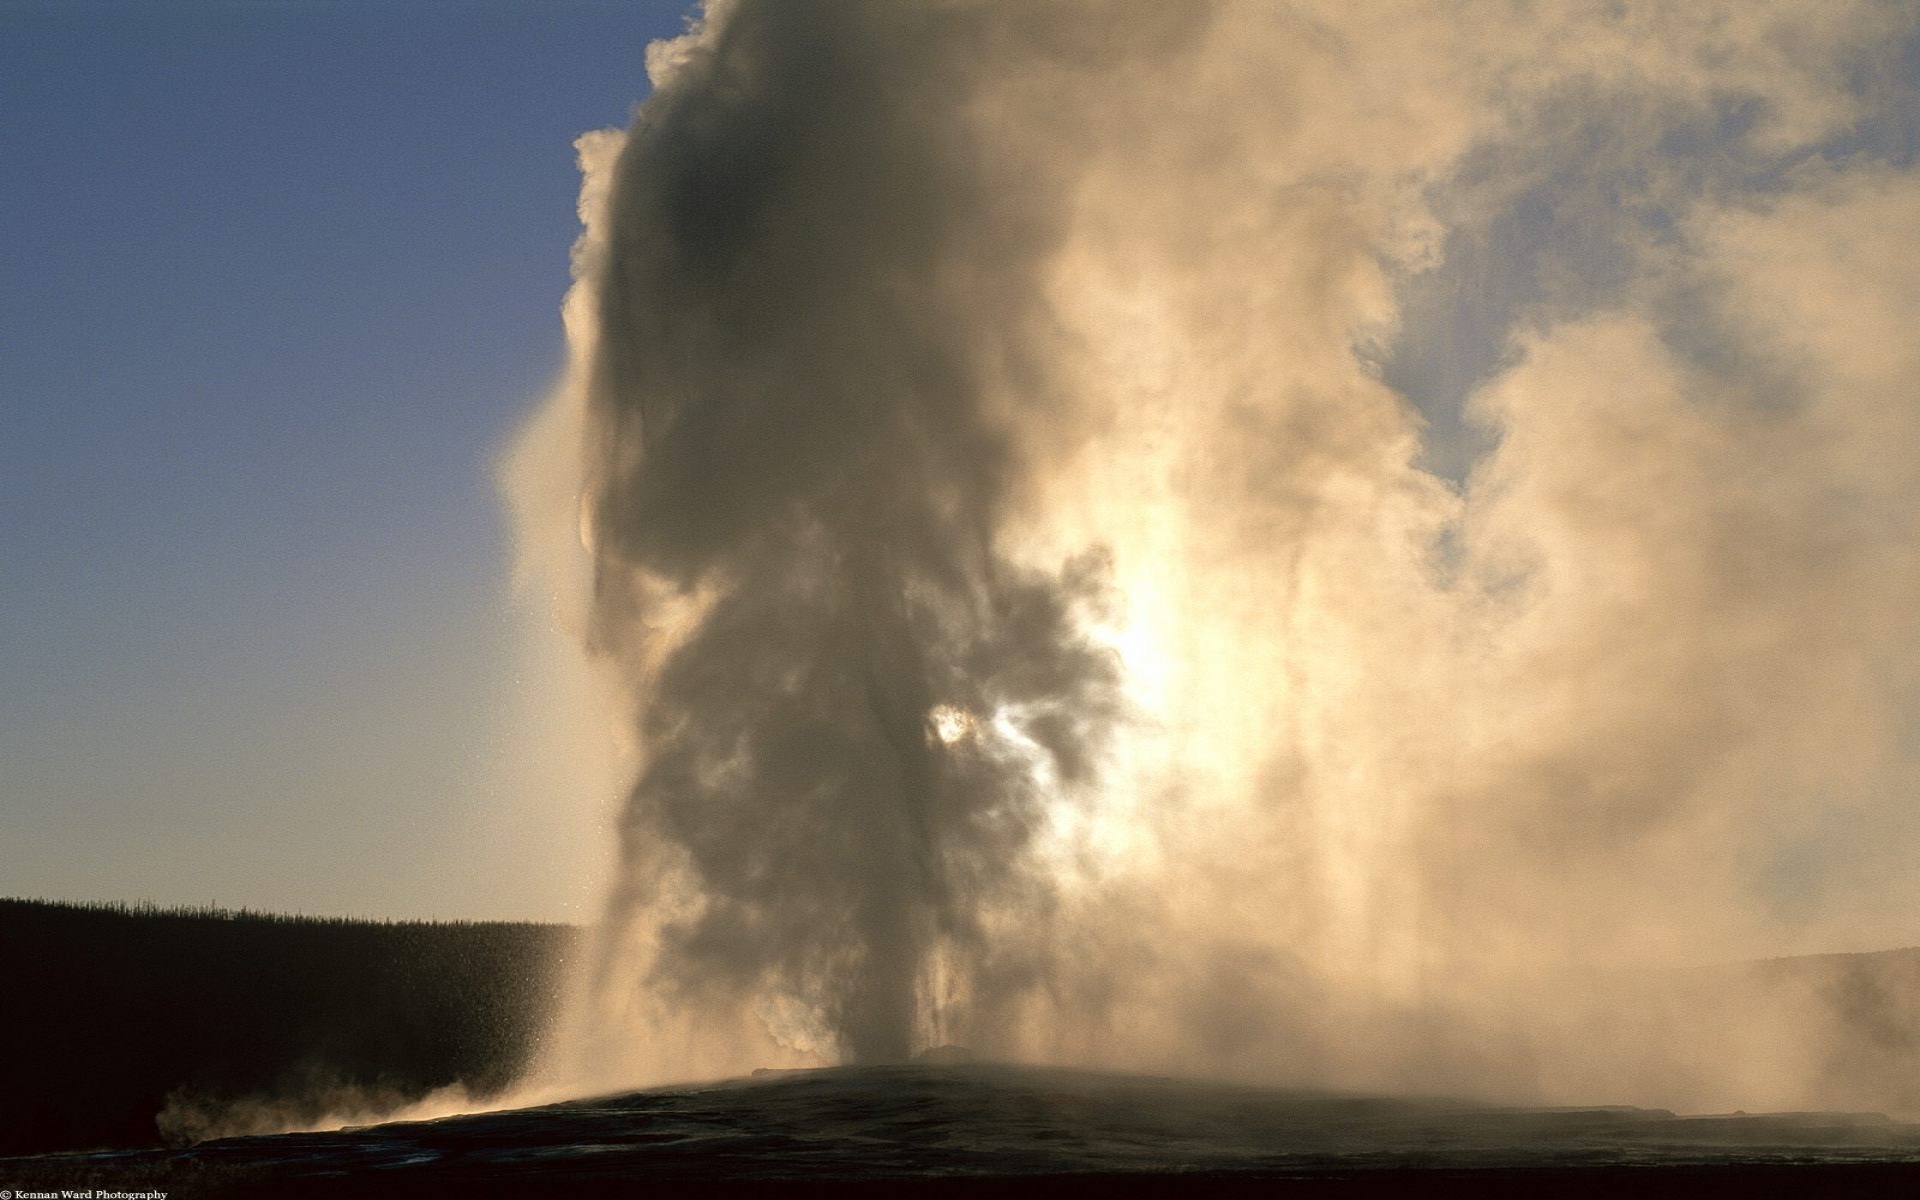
(983,1124)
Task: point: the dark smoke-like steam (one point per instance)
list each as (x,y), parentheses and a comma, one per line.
(819,324)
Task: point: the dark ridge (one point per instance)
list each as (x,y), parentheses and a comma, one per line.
(136,1025)
(217,912)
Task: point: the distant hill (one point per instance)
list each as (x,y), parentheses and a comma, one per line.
(130,1026)
(1869,1006)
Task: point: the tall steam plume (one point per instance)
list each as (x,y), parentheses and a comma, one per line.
(1303,540)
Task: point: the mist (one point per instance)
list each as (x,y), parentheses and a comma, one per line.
(1295,542)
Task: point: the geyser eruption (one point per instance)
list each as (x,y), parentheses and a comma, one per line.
(1293,540)
(803,458)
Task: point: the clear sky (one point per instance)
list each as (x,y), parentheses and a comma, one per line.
(280,278)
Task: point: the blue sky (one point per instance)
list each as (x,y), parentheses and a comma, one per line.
(280,279)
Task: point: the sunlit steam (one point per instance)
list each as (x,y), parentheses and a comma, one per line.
(1309,541)
(951,724)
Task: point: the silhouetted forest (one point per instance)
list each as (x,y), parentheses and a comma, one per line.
(130,1026)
